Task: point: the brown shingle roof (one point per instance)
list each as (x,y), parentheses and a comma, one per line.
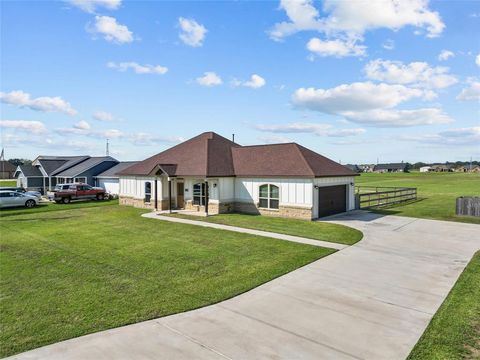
(210,154)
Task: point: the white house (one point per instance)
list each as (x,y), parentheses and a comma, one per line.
(425,169)
(213,174)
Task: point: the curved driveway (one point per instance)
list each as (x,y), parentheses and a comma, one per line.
(372,300)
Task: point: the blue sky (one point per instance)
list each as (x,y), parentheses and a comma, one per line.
(354,83)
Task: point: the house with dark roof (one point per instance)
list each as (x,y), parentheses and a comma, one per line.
(391,167)
(7,170)
(47,171)
(354,168)
(110,179)
(212,174)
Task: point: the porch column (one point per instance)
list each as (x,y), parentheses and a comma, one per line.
(206,198)
(169,195)
(156,194)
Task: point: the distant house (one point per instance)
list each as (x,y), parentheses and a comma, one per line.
(354,168)
(7,170)
(392,167)
(47,171)
(425,169)
(442,168)
(109,179)
(468,168)
(366,168)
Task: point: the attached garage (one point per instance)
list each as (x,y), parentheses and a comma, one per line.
(332,200)
(109,179)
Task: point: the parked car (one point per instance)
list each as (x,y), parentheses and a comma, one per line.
(37,194)
(65,193)
(9,198)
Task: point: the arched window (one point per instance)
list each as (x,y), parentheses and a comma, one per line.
(268,196)
(199,194)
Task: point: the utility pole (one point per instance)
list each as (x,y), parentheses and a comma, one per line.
(107,150)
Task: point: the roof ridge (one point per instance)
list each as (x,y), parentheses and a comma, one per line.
(303,158)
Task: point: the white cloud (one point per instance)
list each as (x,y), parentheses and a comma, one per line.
(310,128)
(445,55)
(209,79)
(470,93)
(389,44)
(415,73)
(137,68)
(91,6)
(357,17)
(452,137)
(146,139)
(275,139)
(82,125)
(192,33)
(338,48)
(33,127)
(44,103)
(111,30)
(477,60)
(99,134)
(255,82)
(360,96)
(103,116)
(399,118)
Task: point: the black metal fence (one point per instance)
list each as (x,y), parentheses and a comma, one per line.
(378,196)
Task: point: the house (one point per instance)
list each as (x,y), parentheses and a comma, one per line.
(468,168)
(367,168)
(442,168)
(425,169)
(354,168)
(109,179)
(392,167)
(46,171)
(212,174)
(7,170)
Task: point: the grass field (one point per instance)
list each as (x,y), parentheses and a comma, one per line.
(8,183)
(454,332)
(436,192)
(90,268)
(309,229)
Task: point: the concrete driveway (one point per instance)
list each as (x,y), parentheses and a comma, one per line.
(372,300)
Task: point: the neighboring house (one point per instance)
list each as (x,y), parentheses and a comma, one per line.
(354,168)
(110,179)
(85,171)
(366,168)
(468,168)
(442,168)
(425,169)
(392,167)
(7,170)
(212,174)
(45,171)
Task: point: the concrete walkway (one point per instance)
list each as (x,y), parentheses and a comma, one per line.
(372,300)
(297,239)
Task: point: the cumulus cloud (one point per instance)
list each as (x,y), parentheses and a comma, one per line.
(360,96)
(445,55)
(209,78)
(415,73)
(33,127)
(452,137)
(310,128)
(399,118)
(192,33)
(99,134)
(103,116)
(137,68)
(255,82)
(470,93)
(338,48)
(82,125)
(91,6)
(47,104)
(111,30)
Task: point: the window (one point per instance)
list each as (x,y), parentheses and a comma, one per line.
(148,191)
(268,196)
(80,180)
(199,194)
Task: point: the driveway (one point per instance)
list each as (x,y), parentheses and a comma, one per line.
(372,300)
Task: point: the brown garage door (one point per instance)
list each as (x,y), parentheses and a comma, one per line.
(332,200)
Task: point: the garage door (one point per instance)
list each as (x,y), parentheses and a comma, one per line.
(332,200)
(110,185)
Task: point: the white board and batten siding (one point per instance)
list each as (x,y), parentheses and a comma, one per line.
(111,185)
(134,186)
(293,191)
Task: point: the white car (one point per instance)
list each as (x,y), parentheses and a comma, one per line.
(10,198)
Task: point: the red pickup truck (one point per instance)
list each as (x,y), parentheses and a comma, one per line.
(65,193)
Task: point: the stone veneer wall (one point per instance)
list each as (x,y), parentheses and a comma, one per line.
(283,211)
(213,207)
(140,203)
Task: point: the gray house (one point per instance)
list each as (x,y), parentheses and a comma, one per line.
(85,171)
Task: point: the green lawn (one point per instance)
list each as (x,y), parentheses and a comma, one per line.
(436,192)
(454,332)
(8,183)
(309,229)
(68,273)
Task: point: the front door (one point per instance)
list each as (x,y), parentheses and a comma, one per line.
(180,196)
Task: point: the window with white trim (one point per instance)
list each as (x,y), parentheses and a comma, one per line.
(199,194)
(268,196)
